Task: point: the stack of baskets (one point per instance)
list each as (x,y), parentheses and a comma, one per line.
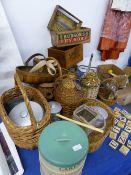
(40,78)
(27,136)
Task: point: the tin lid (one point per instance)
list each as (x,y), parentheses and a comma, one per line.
(55,107)
(20,116)
(63,144)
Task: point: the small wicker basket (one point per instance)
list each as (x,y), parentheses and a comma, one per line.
(90,85)
(96,139)
(121,77)
(107,89)
(39,76)
(90,82)
(26,136)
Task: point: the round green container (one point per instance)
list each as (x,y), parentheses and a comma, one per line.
(63,144)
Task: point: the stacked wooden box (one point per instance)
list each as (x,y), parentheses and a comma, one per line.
(67,37)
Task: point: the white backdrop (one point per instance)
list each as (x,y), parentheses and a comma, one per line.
(9,54)
(29,20)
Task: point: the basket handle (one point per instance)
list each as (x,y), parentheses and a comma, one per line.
(40,64)
(32,56)
(27,102)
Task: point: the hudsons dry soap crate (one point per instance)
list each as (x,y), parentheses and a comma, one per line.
(66,29)
(67,56)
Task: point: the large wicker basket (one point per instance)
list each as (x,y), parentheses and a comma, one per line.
(96,139)
(120,77)
(27,136)
(39,76)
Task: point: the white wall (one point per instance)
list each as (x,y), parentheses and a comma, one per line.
(9,54)
(29,20)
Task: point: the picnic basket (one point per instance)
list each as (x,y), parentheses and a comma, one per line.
(25,136)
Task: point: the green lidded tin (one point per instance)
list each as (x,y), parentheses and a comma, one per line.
(63,145)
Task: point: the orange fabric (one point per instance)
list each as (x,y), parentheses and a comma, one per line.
(115,33)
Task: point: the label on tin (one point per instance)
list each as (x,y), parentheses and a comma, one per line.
(77,147)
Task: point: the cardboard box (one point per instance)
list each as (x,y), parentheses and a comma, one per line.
(124,95)
(127,70)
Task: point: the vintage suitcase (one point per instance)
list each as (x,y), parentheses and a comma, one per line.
(67,56)
(66,29)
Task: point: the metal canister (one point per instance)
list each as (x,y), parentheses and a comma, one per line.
(55,109)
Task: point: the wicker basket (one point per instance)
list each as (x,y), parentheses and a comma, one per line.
(40,76)
(90,85)
(96,139)
(27,136)
(120,77)
(104,92)
(45,88)
(67,94)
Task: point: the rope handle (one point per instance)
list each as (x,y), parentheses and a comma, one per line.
(39,65)
(33,56)
(27,102)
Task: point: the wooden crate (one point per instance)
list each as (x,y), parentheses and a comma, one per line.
(62,20)
(67,56)
(72,37)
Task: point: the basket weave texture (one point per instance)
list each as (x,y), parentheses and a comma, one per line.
(96,139)
(120,77)
(40,76)
(106,88)
(67,94)
(27,136)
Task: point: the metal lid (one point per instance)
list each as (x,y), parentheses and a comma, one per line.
(20,116)
(63,144)
(55,107)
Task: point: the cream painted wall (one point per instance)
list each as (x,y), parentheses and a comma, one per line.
(29,19)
